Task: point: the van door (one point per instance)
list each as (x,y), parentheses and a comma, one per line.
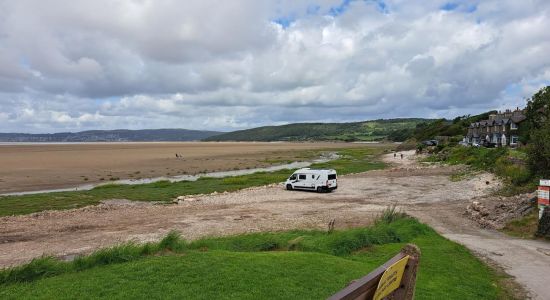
(332,181)
(313,180)
(301,181)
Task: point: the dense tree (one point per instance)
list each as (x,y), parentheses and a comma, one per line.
(536,132)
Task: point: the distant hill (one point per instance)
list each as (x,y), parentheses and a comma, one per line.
(119,135)
(357,131)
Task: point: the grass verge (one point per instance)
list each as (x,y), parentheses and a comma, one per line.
(524,227)
(351,161)
(508,164)
(282,265)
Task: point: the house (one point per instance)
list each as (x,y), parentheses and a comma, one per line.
(500,129)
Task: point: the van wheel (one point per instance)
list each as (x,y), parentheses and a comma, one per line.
(319,189)
(289,187)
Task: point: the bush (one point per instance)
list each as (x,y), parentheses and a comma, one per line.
(539,151)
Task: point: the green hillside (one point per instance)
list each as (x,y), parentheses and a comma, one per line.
(442,127)
(358,131)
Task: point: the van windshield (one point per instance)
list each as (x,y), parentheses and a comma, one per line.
(331,176)
(293,177)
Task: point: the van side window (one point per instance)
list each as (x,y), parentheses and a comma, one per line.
(302,176)
(331,176)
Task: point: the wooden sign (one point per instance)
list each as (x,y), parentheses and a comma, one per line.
(391,279)
(395,279)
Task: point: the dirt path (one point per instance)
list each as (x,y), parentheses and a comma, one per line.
(526,260)
(423,191)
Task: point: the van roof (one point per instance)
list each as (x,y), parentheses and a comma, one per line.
(315,170)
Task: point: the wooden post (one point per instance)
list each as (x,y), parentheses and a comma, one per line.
(365,288)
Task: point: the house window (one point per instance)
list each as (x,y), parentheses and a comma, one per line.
(503,127)
(514,140)
(513,126)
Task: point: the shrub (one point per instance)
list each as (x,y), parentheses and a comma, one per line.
(172,242)
(390,214)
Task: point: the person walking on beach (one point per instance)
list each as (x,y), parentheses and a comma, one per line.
(401,155)
(394,155)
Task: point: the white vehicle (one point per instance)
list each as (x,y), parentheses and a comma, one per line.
(313,180)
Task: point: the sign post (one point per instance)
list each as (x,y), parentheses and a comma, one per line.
(543,196)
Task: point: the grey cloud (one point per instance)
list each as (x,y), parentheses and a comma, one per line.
(221,65)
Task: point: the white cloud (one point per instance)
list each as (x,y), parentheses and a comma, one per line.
(224,65)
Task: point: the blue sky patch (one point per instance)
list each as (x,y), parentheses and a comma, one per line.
(285,21)
(340,9)
(449,6)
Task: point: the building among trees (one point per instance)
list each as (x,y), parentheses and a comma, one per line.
(501,129)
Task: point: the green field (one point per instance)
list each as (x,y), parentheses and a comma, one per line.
(282,265)
(351,161)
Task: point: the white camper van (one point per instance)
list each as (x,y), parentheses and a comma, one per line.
(313,180)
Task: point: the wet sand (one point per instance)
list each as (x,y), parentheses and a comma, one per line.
(29,167)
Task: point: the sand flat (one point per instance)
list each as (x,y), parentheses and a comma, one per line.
(29,167)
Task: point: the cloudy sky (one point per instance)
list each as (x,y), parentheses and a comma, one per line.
(233,64)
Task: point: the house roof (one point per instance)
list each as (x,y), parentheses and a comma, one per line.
(518,118)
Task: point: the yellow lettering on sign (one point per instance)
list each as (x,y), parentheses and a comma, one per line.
(391,279)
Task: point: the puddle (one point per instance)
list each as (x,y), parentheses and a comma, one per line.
(221,174)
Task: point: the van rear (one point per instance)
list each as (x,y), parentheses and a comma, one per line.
(332,181)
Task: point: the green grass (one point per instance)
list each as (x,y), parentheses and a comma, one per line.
(282,265)
(352,161)
(524,227)
(508,164)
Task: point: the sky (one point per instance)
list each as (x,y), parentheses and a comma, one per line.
(228,65)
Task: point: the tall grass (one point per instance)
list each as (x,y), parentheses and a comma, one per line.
(49,266)
(390,214)
(339,242)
